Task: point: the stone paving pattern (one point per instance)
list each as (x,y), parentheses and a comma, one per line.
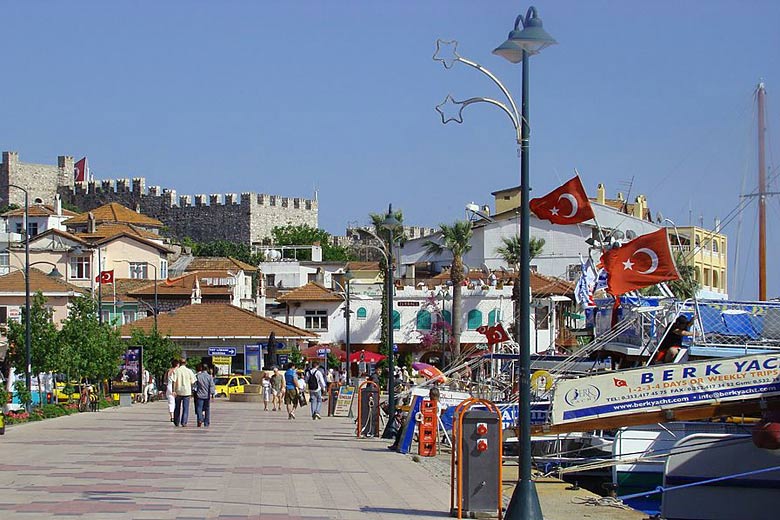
(132,463)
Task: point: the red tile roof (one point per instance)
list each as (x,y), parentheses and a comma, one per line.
(39,210)
(216,320)
(312,292)
(115,213)
(13,282)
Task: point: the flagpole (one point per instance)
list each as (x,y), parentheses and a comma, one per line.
(100,288)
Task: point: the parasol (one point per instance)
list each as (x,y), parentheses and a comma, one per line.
(429,372)
(368,356)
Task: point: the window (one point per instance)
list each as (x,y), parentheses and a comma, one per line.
(362,313)
(396,320)
(494,317)
(447,315)
(423,320)
(714,246)
(128,317)
(5,258)
(316,320)
(139,270)
(270,280)
(80,267)
(4,315)
(573,272)
(474,319)
(541,315)
(163,269)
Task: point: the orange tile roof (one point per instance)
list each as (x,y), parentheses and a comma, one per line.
(183,285)
(111,229)
(13,282)
(207,263)
(216,320)
(363,266)
(312,292)
(39,210)
(123,287)
(116,213)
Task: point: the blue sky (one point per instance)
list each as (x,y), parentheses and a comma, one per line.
(283,97)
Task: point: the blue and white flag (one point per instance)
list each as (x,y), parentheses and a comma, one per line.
(583,292)
(601,281)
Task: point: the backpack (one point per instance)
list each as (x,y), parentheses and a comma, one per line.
(311,380)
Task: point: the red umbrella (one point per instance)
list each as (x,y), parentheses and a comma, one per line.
(320,351)
(367,356)
(429,372)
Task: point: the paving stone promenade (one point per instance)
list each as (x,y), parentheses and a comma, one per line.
(131,463)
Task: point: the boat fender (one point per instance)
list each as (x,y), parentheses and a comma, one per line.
(766,435)
(541,380)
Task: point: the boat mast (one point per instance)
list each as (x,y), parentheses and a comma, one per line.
(761,196)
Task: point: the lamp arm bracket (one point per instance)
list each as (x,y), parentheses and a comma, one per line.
(493,102)
(498,83)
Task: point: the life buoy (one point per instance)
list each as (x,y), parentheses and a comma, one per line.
(545,384)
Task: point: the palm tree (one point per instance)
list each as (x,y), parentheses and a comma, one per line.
(511,252)
(456,239)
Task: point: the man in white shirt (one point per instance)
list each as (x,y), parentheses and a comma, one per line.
(183,379)
(315,380)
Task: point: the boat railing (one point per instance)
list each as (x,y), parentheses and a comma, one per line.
(737,324)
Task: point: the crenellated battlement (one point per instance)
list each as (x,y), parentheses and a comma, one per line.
(248,217)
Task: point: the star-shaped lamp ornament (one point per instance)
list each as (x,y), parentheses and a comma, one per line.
(446,52)
(451,110)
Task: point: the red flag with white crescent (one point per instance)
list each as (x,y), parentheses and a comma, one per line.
(494,334)
(644,261)
(567,204)
(81,170)
(105,277)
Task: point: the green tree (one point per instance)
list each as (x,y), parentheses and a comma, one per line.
(235,250)
(296,357)
(455,238)
(93,348)
(687,286)
(511,252)
(158,351)
(44,352)
(305,235)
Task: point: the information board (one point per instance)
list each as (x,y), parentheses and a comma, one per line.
(128,377)
(344,401)
(222,364)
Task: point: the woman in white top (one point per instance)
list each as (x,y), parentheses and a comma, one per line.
(266,383)
(302,391)
(169,387)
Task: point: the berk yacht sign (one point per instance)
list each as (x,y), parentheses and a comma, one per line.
(666,386)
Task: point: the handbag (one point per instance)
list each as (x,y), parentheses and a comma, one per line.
(301,399)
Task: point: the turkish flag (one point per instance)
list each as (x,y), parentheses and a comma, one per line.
(567,204)
(80,170)
(105,277)
(619,382)
(646,260)
(495,334)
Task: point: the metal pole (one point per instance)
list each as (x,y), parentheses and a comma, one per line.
(524,503)
(155,297)
(390,365)
(761,198)
(348,345)
(100,288)
(27,334)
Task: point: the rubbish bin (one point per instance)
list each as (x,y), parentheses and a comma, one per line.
(368,410)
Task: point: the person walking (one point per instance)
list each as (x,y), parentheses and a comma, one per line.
(277,389)
(169,387)
(291,390)
(203,395)
(317,384)
(265,384)
(183,380)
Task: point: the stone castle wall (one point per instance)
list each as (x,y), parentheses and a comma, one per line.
(40,180)
(245,219)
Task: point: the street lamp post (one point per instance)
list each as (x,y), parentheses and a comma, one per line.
(390,224)
(347,312)
(28,369)
(521,43)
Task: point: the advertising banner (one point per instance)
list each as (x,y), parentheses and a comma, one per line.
(661,387)
(253,358)
(128,378)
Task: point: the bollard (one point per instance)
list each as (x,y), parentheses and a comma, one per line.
(333,395)
(475,478)
(368,410)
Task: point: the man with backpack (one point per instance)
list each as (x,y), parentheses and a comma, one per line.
(315,381)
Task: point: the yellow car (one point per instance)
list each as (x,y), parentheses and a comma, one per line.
(226,385)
